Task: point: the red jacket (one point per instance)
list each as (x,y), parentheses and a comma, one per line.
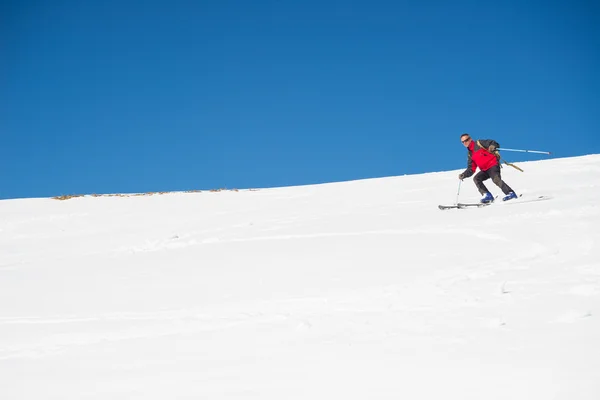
(480,157)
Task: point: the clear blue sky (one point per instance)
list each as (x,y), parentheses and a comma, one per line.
(132,96)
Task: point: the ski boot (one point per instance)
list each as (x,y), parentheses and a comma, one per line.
(509,196)
(487,198)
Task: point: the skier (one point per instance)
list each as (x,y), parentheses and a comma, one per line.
(482,154)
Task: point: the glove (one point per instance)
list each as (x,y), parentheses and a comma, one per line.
(492,148)
(461,176)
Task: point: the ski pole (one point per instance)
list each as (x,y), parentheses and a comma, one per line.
(457,193)
(526,151)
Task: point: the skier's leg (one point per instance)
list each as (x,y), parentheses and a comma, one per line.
(494,173)
(478,179)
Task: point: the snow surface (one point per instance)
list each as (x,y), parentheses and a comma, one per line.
(353,290)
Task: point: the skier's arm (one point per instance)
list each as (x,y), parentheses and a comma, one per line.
(471,167)
(486,143)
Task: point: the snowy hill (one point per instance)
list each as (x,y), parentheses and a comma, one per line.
(354,290)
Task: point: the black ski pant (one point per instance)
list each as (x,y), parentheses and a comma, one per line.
(493,173)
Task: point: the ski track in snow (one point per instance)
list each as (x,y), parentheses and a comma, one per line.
(177,242)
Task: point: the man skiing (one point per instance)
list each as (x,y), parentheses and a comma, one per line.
(482,154)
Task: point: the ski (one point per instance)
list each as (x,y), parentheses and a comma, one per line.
(478,205)
(443,207)
(527,199)
(518,200)
(462,205)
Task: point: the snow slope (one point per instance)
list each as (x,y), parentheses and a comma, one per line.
(353,290)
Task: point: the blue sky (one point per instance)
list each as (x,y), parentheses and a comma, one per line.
(134,96)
